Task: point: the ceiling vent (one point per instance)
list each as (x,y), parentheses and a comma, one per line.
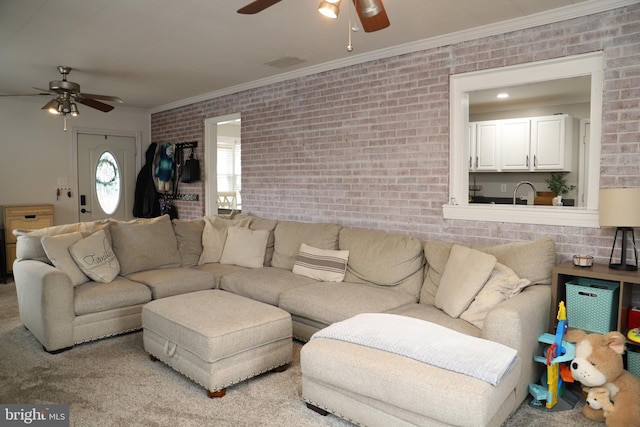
(284,62)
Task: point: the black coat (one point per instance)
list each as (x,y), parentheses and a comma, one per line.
(146,203)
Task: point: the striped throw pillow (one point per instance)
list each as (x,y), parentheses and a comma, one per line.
(321,264)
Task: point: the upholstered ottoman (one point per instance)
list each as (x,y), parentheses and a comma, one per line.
(217,338)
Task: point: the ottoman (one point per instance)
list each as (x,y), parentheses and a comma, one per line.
(217,338)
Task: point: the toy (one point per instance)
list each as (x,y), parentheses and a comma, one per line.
(598,398)
(634,335)
(598,363)
(559,352)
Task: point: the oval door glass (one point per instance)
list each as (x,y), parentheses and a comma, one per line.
(108,182)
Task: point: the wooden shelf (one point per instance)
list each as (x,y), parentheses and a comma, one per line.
(566,272)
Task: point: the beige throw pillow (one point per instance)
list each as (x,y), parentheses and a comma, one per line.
(466,272)
(214,236)
(244,247)
(57,250)
(95,257)
(321,264)
(503,284)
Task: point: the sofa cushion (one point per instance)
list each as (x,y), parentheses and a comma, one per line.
(244,247)
(330,302)
(94,297)
(290,235)
(432,314)
(258,223)
(466,272)
(382,258)
(264,284)
(29,245)
(57,250)
(218,271)
(531,260)
(95,257)
(165,282)
(144,244)
(321,264)
(503,284)
(214,235)
(189,238)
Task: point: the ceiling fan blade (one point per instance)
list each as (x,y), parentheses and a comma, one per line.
(46,91)
(100,97)
(95,104)
(373,23)
(24,94)
(257,6)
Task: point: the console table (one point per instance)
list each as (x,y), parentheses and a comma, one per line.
(563,273)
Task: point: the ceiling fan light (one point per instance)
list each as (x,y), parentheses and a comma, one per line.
(74,110)
(330,9)
(370,8)
(53,108)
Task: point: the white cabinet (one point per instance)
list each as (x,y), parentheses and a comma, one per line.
(484,146)
(528,144)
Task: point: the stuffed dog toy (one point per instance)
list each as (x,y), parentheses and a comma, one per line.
(598,398)
(598,363)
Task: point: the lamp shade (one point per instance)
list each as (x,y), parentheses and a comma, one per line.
(619,207)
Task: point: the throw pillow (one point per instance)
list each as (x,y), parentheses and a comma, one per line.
(466,272)
(95,257)
(244,247)
(503,284)
(214,236)
(189,237)
(321,264)
(57,250)
(145,244)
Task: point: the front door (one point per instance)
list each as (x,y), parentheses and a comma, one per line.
(106,176)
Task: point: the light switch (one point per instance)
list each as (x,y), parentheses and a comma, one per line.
(503,188)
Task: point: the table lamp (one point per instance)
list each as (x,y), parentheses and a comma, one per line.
(620,208)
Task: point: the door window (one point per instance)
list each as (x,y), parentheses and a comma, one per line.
(108,183)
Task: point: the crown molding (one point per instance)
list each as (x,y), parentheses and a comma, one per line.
(586,8)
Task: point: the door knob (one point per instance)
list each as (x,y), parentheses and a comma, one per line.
(83,210)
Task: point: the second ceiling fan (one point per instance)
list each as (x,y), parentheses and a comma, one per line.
(371,12)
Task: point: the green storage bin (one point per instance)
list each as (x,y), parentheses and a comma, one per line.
(592,305)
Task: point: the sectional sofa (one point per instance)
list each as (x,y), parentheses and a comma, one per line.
(84,281)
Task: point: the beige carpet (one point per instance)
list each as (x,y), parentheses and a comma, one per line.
(112,382)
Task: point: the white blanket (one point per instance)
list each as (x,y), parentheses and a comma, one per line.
(426,342)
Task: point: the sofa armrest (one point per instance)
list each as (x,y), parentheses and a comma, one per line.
(46,303)
(517,323)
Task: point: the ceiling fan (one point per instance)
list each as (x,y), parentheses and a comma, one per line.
(371,12)
(65,95)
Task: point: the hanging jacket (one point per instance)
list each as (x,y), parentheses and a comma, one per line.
(145,204)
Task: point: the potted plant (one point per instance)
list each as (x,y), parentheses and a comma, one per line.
(557,183)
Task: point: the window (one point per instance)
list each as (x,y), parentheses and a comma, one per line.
(229,173)
(108,183)
(461,87)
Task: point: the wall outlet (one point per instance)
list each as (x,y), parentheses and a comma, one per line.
(503,188)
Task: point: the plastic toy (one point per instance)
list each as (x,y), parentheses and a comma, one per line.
(634,335)
(552,390)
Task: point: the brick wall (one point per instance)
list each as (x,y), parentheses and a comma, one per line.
(367,145)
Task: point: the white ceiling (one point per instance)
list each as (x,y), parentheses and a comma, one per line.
(152,53)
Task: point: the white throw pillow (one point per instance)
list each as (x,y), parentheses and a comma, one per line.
(57,250)
(503,284)
(321,264)
(214,236)
(467,270)
(95,257)
(245,247)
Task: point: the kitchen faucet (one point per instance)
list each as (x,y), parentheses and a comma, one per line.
(518,186)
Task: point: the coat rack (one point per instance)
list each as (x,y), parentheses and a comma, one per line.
(180,147)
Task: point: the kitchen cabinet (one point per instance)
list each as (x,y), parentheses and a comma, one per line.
(28,217)
(485,141)
(530,144)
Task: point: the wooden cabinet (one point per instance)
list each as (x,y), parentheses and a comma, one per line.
(28,217)
(530,144)
(629,283)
